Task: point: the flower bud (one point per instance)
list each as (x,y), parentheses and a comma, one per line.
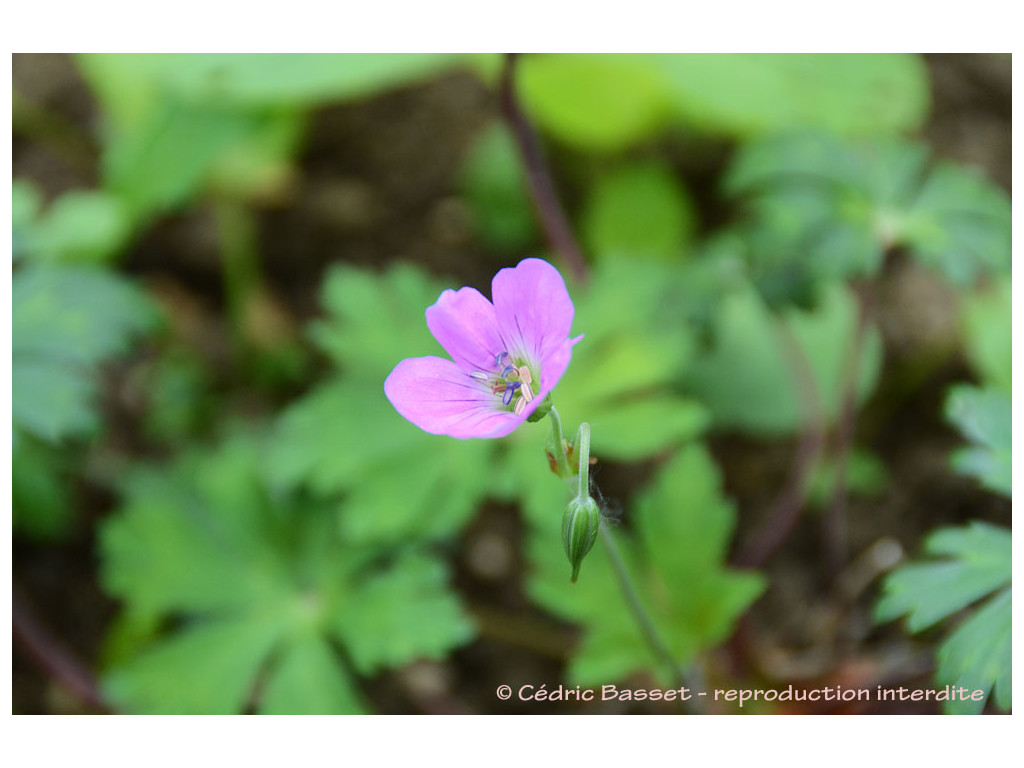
(580,525)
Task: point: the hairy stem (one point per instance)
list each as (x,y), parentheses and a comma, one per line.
(538,173)
(583,449)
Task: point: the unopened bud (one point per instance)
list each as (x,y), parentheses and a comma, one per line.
(580,525)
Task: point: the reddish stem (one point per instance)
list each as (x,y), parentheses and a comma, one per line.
(50,655)
(542,188)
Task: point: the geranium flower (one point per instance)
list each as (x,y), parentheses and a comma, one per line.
(506,356)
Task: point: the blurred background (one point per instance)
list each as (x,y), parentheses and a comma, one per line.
(795,291)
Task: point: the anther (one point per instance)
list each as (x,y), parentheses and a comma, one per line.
(524,375)
(499,359)
(480,375)
(507,371)
(510,390)
(521,404)
(527,391)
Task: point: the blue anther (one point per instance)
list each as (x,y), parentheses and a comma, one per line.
(507,371)
(509,392)
(499,358)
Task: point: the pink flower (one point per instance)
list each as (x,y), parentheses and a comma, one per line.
(507,355)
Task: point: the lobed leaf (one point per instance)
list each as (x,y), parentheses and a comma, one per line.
(984,418)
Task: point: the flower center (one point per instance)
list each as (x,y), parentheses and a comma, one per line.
(513,382)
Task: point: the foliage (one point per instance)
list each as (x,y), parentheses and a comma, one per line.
(608,102)
(261,587)
(682,527)
(82,227)
(746,376)
(984,418)
(280,569)
(66,321)
(988,333)
(840,206)
(976,565)
(494,185)
(639,211)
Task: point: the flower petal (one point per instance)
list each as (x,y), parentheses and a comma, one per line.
(464,323)
(533,308)
(439,397)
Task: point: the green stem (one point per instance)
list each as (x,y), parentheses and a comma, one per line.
(583,448)
(564,470)
(644,621)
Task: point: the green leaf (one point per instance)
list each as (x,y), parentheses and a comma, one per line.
(596,102)
(977,655)
(310,681)
(639,211)
(984,418)
(376,320)
(623,375)
(65,322)
(170,154)
(838,206)
(930,592)
(988,334)
(976,561)
(746,377)
(26,202)
(494,185)
(81,227)
(267,79)
(683,529)
(40,499)
(400,482)
(751,94)
(206,669)
(400,615)
(203,544)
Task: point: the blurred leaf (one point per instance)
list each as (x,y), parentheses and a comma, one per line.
(65,322)
(259,165)
(683,529)
(639,210)
(988,334)
(376,320)
(596,102)
(170,154)
(205,542)
(746,378)
(206,669)
(976,562)
(82,227)
(179,398)
(494,184)
(978,655)
(269,79)
(310,681)
(755,93)
(26,202)
(836,207)
(984,418)
(40,500)
(400,615)
(623,375)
